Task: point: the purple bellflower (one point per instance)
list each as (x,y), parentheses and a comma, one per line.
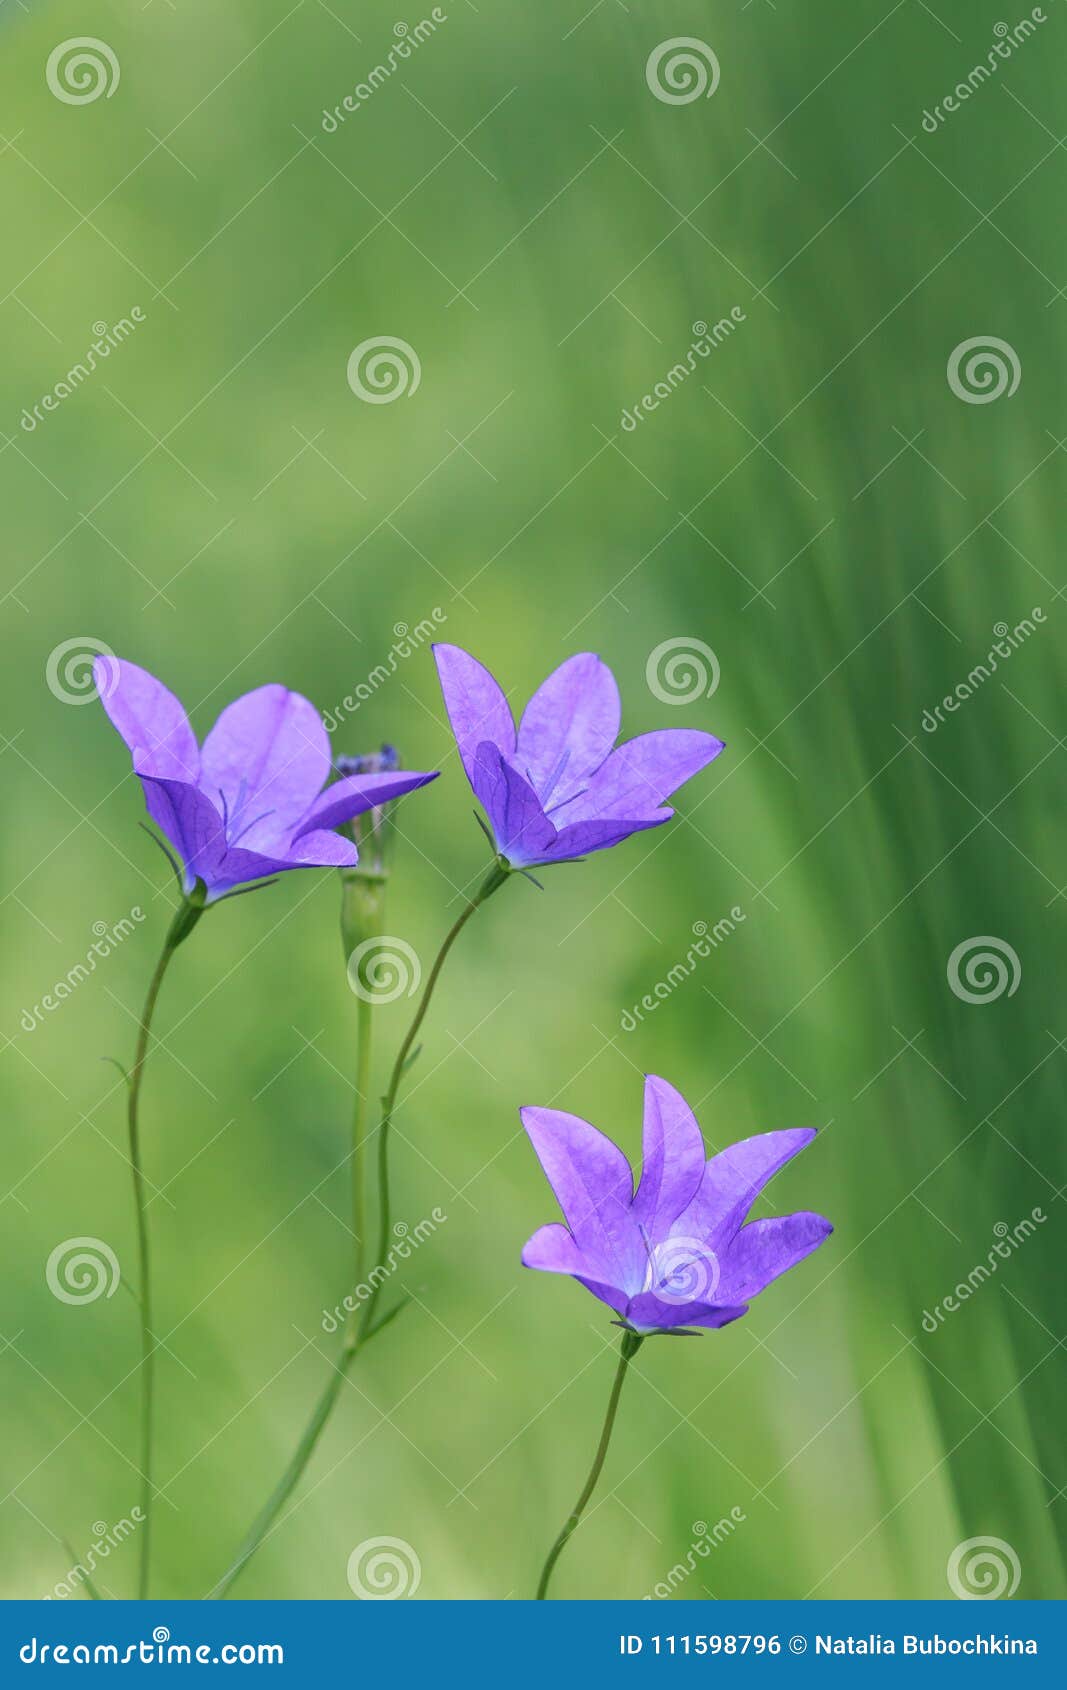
(677,1253)
(559,787)
(249,803)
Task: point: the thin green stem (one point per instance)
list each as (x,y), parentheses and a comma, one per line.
(493,881)
(187,915)
(286,1484)
(366,1327)
(631,1343)
(364,1032)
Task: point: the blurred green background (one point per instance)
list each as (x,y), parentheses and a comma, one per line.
(815,504)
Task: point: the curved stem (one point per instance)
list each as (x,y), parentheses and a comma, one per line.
(366,1327)
(631,1343)
(187,915)
(493,881)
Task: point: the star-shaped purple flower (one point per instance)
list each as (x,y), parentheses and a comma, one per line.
(678,1252)
(560,788)
(248,803)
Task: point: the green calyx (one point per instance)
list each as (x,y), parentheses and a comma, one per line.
(187,915)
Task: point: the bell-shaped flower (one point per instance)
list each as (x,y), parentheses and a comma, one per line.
(680,1251)
(559,787)
(250,802)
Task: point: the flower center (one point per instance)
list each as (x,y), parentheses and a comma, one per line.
(234,825)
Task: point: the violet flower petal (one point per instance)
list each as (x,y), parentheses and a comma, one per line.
(637,776)
(553,1250)
(477,709)
(322,849)
(568,727)
(357,793)
(610,1294)
(765,1249)
(646,1312)
(242,865)
(149,718)
(672,1158)
(583,838)
(733,1180)
(522,831)
(191,823)
(594,1188)
(268,756)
